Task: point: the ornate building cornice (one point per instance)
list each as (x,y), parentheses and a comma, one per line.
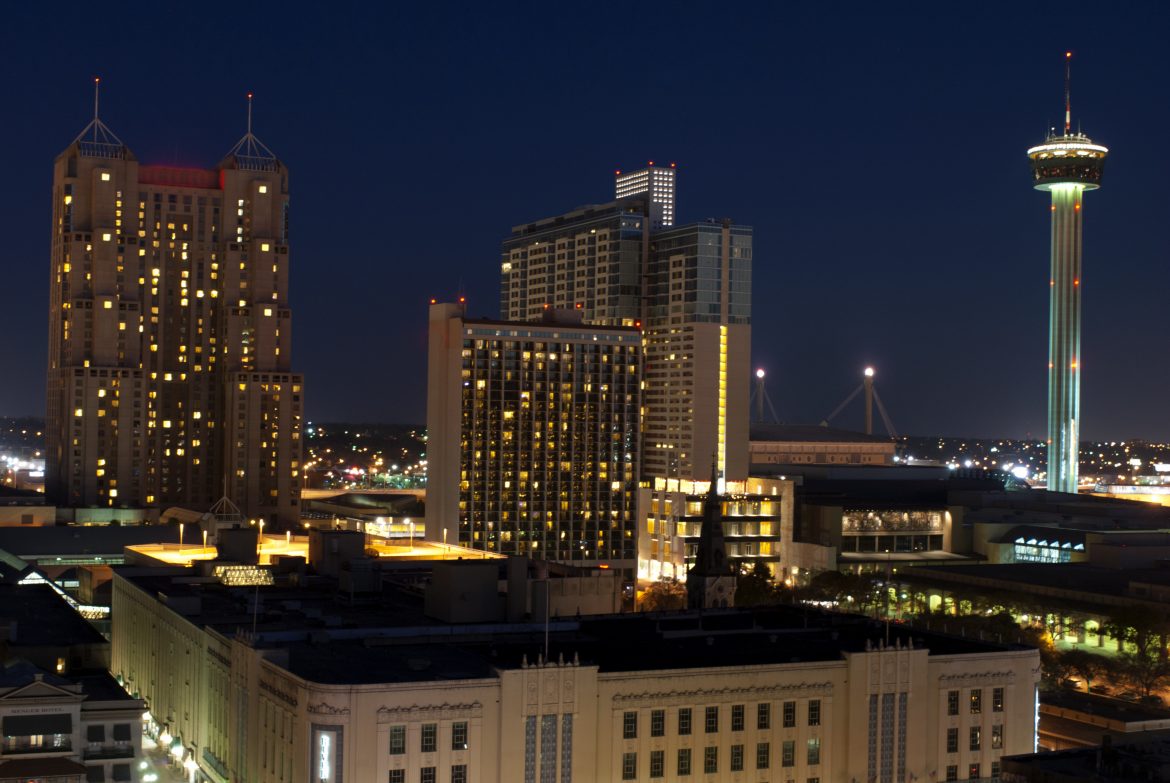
(701,695)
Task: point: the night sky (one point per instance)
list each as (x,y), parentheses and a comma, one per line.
(877,149)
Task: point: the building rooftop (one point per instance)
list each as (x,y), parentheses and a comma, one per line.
(317,635)
(1081,581)
(81,540)
(811,433)
(1129,761)
(38,617)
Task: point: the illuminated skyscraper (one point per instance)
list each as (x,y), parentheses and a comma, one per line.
(689,289)
(658,182)
(169,379)
(1066,165)
(532,436)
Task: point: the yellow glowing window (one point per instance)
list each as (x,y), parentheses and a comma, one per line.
(108,304)
(106,237)
(69,199)
(105,176)
(268,311)
(263,188)
(197,415)
(113,493)
(264,246)
(101,392)
(78,412)
(166,424)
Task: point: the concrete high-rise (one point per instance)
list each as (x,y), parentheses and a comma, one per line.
(1066,165)
(687,287)
(697,329)
(657,182)
(532,436)
(169,379)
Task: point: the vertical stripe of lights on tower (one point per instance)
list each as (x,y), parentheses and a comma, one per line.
(721,457)
(1066,165)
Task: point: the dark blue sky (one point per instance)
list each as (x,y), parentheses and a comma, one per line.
(877,149)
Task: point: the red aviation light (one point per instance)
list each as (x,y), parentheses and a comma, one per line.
(433,300)
(463,300)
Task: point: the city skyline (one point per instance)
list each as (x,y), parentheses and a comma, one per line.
(947,301)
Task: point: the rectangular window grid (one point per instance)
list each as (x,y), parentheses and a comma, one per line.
(548,749)
(430,737)
(630,725)
(737,758)
(684,761)
(397,740)
(737,717)
(566,749)
(657,763)
(629,766)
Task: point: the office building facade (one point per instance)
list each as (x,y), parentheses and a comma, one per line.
(169,379)
(532,432)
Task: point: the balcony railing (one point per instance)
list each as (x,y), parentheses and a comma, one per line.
(13,748)
(109,752)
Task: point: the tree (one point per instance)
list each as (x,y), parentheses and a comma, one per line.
(1138,626)
(1086,665)
(663,596)
(755,587)
(1146,673)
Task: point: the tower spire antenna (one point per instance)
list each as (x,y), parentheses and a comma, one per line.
(97,82)
(249,113)
(1067,92)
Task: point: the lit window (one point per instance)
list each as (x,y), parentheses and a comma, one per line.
(106,237)
(263,188)
(105,176)
(108,304)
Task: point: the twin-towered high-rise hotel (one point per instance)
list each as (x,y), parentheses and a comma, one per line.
(170,379)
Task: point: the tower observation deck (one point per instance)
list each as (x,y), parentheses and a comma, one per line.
(1066,165)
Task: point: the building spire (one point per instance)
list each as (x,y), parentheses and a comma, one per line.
(250,152)
(1067,92)
(96,140)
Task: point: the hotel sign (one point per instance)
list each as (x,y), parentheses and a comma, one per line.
(325,754)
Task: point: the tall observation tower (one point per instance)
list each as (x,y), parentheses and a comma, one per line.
(1066,165)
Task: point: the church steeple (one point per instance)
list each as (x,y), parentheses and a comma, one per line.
(711,581)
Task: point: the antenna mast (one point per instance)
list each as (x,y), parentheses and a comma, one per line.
(97,80)
(249,114)
(1067,92)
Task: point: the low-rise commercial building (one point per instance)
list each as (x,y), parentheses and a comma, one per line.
(285,683)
